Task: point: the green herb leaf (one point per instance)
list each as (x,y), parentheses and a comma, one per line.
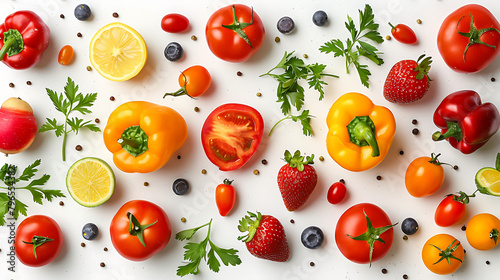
(195,252)
(305,120)
(355,47)
(72,101)
(4,207)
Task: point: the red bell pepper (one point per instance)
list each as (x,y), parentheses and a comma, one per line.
(465,122)
(23,39)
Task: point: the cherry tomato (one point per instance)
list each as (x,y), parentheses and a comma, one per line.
(231,134)
(225,197)
(449,211)
(65,55)
(424,176)
(443,254)
(482,231)
(139,230)
(456,33)
(336,193)
(38,240)
(353,223)
(235,41)
(174,23)
(403,33)
(194,81)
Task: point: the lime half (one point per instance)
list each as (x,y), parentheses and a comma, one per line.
(90,181)
(488,181)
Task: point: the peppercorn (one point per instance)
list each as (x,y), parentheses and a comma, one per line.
(196,109)
(379,177)
(264,161)
(89,68)
(342,181)
(311,263)
(82,244)
(115,15)
(487,262)
(178,156)
(258,94)
(61,203)
(405,237)
(419,21)
(277,39)
(194,38)
(415,131)
(112,98)
(388,38)
(79,34)
(146,184)
(384,271)
(321,158)
(239,74)
(203,171)
(292,221)
(405,276)
(28,83)
(493,79)
(11,85)
(183,219)
(256,172)
(401,152)
(455,167)
(305,55)
(61,16)
(97,120)
(102,264)
(78,147)
(463,228)
(414,121)
(105,249)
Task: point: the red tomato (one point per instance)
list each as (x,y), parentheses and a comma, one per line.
(231,134)
(40,235)
(353,223)
(225,197)
(194,81)
(228,44)
(403,33)
(449,211)
(336,193)
(65,55)
(453,39)
(19,126)
(174,23)
(151,222)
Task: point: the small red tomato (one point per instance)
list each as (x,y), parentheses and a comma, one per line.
(403,33)
(174,23)
(225,196)
(450,210)
(65,55)
(336,193)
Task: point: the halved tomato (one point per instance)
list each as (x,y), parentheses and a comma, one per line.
(231,134)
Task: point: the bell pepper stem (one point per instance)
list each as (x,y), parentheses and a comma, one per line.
(13,43)
(454,130)
(134,140)
(362,133)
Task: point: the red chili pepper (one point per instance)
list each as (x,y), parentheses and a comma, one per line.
(23,39)
(465,122)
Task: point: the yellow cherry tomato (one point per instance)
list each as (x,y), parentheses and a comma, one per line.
(443,254)
(482,231)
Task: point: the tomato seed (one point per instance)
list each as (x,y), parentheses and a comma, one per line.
(305,55)
(405,237)
(258,94)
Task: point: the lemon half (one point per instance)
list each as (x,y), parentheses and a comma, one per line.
(90,181)
(118,52)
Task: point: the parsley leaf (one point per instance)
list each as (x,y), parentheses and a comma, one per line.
(9,204)
(195,252)
(305,120)
(67,104)
(355,47)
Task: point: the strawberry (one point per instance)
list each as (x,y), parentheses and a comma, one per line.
(296,180)
(408,80)
(266,237)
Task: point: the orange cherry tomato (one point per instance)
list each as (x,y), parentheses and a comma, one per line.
(482,231)
(65,55)
(424,176)
(443,254)
(194,81)
(225,197)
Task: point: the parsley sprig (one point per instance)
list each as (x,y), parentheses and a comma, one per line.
(197,251)
(67,104)
(290,92)
(355,47)
(8,201)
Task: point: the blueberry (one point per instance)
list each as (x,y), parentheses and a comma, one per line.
(173,51)
(320,18)
(285,25)
(312,237)
(90,231)
(82,12)
(180,186)
(409,226)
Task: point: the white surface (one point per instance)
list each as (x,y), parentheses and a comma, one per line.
(255,193)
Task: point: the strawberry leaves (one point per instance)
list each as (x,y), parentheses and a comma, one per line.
(298,161)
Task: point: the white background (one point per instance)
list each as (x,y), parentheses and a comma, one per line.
(255,193)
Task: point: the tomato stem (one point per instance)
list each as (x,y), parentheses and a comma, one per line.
(181,91)
(38,241)
(474,35)
(136,229)
(447,254)
(238,26)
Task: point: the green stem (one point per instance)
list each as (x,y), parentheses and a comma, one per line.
(454,131)
(13,43)
(38,241)
(136,229)
(7,45)
(362,133)
(237,27)
(272,129)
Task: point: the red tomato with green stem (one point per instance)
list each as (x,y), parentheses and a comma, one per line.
(38,240)
(225,197)
(336,193)
(231,135)
(235,33)
(469,39)
(364,233)
(139,230)
(424,176)
(194,81)
(65,55)
(452,209)
(403,33)
(174,23)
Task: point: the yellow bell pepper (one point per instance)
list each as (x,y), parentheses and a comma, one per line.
(143,136)
(360,133)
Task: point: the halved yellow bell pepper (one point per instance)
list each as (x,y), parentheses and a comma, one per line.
(143,136)
(359,132)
